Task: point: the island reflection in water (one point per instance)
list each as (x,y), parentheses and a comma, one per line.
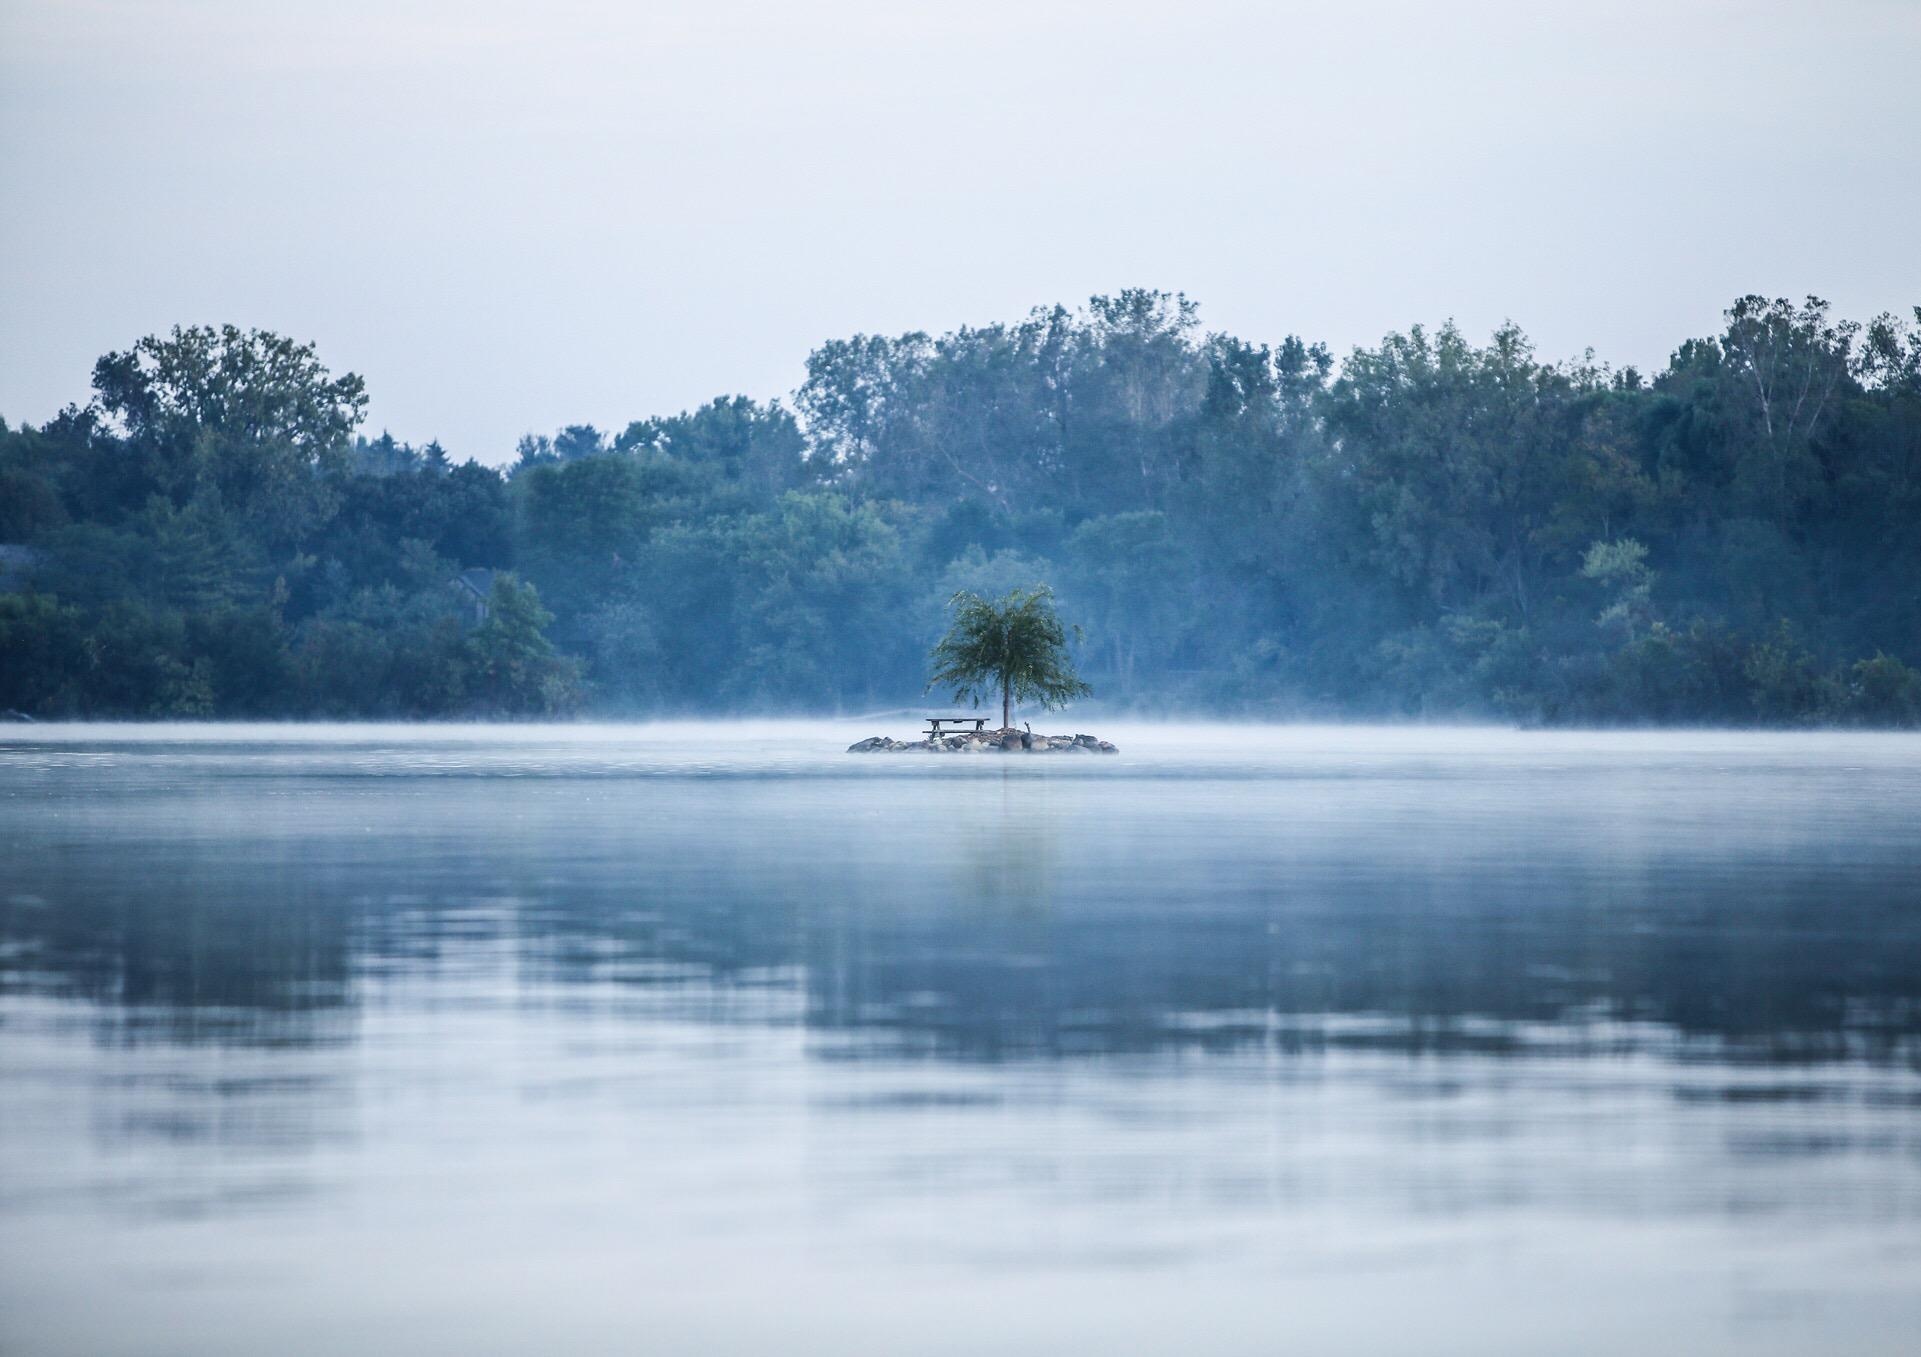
(715,1039)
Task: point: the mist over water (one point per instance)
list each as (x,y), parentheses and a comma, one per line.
(713,1038)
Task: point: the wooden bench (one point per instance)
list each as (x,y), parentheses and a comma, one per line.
(934,724)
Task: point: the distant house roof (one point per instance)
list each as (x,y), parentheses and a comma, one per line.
(479,581)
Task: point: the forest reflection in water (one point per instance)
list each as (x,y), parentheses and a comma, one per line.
(466,1040)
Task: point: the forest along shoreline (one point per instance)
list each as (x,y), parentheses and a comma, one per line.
(1438,526)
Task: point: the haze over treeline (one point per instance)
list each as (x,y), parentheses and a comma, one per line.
(1440,525)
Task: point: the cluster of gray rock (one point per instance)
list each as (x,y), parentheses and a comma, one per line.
(1003,741)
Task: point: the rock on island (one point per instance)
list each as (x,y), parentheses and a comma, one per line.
(1004,741)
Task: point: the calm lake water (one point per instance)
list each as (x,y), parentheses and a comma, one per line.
(714,1039)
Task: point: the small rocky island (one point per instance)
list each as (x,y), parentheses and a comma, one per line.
(1004,741)
(1014,648)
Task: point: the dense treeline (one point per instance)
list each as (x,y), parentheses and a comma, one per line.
(1429,527)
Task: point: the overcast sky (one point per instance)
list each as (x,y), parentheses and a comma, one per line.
(508,217)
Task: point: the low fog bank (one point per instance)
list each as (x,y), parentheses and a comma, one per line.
(789,742)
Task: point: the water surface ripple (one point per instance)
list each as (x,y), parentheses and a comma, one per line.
(715,1039)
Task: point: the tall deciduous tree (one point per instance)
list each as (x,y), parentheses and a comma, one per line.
(1014,645)
(249,416)
(515,665)
(1785,365)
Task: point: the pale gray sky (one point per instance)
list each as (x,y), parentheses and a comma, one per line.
(512,216)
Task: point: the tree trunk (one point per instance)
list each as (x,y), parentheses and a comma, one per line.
(1007,716)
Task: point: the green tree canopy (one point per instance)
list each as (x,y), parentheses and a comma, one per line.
(515,667)
(1433,525)
(249,416)
(1014,645)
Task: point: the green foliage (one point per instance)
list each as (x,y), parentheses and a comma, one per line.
(1620,567)
(43,654)
(1124,571)
(402,664)
(515,668)
(247,418)
(823,600)
(242,654)
(758,448)
(1696,676)
(1431,526)
(1881,692)
(29,505)
(1785,683)
(1014,646)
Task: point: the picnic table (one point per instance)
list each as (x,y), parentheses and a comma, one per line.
(934,724)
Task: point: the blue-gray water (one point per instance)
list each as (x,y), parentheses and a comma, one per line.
(717,1040)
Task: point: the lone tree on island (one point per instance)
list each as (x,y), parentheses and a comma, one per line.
(1015,644)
